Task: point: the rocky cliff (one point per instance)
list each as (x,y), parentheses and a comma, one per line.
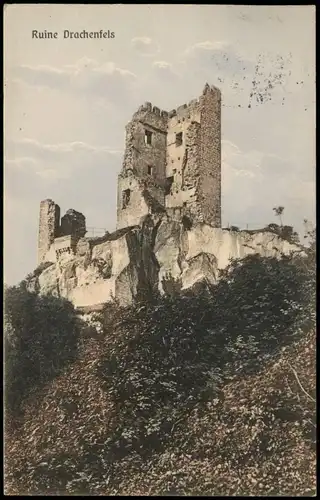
(135,260)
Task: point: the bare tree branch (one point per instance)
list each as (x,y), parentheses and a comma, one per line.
(300,385)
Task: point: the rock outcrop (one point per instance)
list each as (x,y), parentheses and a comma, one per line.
(133,261)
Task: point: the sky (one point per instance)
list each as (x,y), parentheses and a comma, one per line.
(67,102)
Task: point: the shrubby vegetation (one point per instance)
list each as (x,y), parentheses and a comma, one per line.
(41,338)
(285,232)
(207,392)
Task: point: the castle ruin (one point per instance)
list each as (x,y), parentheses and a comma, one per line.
(172,164)
(168,217)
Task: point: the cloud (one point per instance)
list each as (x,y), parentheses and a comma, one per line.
(162,65)
(268,78)
(222,55)
(85,77)
(53,161)
(252,179)
(223,65)
(164,71)
(145,46)
(31,145)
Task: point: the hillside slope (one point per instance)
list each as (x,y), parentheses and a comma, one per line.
(210,394)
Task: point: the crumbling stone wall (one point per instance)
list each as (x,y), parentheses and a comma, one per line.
(181,168)
(48,227)
(144,197)
(73,223)
(144,165)
(55,238)
(179,123)
(64,245)
(134,207)
(183,192)
(172,164)
(195,165)
(197,174)
(139,153)
(209,190)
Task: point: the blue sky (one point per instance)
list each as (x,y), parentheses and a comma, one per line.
(67,103)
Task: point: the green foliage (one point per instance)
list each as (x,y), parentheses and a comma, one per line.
(278,212)
(310,237)
(41,335)
(186,395)
(284,232)
(171,286)
(167,357)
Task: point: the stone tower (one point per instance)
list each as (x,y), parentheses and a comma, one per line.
(172,162)
(48,227)
(55,236)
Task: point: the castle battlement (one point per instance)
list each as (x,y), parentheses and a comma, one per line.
(183,112)
(151,116)
(147,106)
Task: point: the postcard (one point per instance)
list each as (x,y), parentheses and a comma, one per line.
(159,250)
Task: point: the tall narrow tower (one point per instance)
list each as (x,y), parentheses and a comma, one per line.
(48,227)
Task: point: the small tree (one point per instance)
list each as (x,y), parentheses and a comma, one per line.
(309,233)
(278,213)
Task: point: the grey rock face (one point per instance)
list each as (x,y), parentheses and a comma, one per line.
(129,263)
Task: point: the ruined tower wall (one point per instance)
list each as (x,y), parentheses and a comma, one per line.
(195,165)
(139,154)
(73,223)
(130,212)
(181,121)
(48,227)
(144,165)
(209,190)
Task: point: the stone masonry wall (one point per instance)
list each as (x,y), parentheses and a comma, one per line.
(73,223)
(195,165)
(48,227)
(138,154)
(209,191)
(179,121)
(52,234)
(136,207)
(144,165)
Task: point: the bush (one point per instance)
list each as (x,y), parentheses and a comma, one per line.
(284,232)
(41,338)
